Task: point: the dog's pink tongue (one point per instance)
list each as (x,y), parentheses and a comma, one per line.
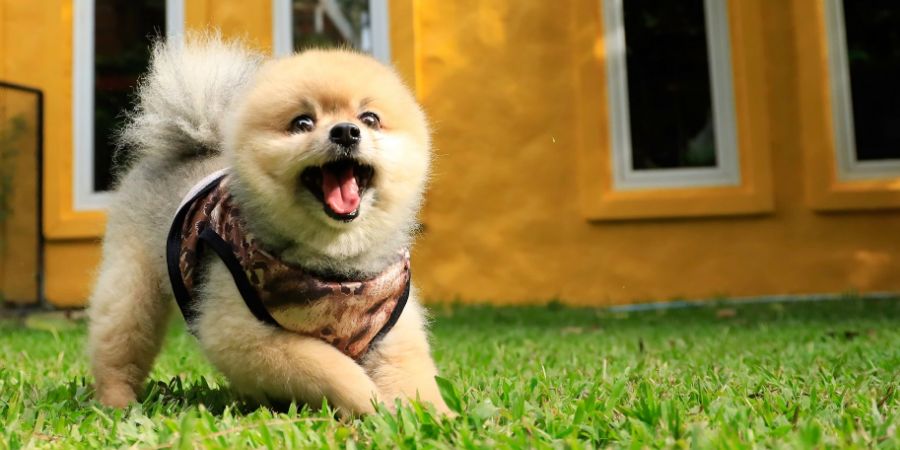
(340,190)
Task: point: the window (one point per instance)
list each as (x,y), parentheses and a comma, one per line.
(672,117)
(361,24)
(845,65)
(111,50)
(863,38)
(671,101)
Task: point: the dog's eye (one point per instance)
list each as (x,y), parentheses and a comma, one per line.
(370,119)
(302,124)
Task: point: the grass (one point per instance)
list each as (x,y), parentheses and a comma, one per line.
(816,374)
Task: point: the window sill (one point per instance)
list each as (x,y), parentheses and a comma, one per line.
(680,203)
(831,195)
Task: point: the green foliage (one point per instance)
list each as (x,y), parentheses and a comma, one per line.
(804,375)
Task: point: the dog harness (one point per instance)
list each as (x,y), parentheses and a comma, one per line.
(351,315)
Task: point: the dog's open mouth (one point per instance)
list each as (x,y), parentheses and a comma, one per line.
(339,185)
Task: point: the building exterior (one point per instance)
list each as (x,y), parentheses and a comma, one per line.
(595,152)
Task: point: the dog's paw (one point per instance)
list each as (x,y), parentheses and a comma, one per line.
(116,395)
(444,411)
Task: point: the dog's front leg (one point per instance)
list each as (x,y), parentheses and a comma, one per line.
(401,363)
(267,362)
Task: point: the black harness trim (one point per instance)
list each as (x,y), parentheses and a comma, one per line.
(251,298)
(173,254)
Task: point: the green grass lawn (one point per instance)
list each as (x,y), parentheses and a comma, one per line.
(812,374)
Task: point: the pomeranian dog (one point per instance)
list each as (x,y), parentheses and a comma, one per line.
(275,201)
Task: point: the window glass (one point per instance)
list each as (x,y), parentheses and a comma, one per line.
(122,33)
(669,90)
(317,23)
(873,57)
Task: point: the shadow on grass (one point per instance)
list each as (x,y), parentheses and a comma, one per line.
(163,397)
(178,394)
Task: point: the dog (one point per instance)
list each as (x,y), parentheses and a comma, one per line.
(310,170)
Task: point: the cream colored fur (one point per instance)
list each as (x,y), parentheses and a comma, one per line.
(209,105)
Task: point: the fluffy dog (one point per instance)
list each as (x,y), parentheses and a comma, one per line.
(327,156)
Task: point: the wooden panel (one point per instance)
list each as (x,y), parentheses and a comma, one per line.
(18,196)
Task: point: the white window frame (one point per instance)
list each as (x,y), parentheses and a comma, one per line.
(727,170)
(282,18)
(848,167)
(85,197)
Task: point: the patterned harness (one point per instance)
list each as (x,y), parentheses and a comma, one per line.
(350,315)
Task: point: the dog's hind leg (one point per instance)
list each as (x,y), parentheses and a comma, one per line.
(127,321)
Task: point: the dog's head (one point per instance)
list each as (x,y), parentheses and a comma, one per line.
(331,151)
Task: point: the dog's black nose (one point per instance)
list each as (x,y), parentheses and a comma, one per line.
(344,134)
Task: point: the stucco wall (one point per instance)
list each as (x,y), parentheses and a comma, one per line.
(503,222)
(504,218)
(36,49)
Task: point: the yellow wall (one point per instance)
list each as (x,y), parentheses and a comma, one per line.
(250,20)
(36,50)
(504,218)
(519,121)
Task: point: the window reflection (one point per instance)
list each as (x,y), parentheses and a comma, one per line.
(669,90)
(122,33)
(329,23)
(873,57)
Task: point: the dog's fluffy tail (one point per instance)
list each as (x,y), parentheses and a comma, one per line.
(184,98)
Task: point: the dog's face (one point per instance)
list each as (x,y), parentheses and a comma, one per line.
(332,150)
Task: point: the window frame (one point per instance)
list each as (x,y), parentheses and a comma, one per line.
(832,182)
(848,166)
(85,198)
(282,26)
(727,170)
(602,200)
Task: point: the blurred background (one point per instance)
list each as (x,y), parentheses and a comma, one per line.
(593,152)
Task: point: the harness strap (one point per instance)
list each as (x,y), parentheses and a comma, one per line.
(223,249)
(173,252)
